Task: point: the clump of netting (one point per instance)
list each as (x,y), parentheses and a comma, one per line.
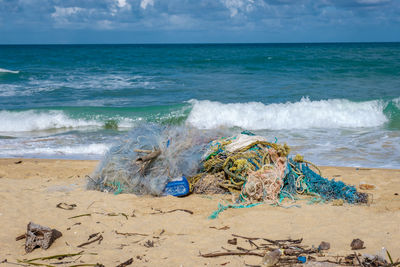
(247,166)
(125,168)
(256,170)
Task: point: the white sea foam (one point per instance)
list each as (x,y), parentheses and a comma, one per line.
(396,101)
(90,149)
(32,120)
(9,71)
(305,114)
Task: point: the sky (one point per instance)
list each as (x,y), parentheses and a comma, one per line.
(198,21)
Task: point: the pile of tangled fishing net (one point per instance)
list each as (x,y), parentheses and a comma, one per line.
(256,170)
(149,158)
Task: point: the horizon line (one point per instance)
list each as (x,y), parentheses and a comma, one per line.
(203,43)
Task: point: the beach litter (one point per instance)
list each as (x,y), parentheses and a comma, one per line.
(324,246)
(365,186)
(38,236)
(357,244)
(292,252)
(126,263)
(66,206)
(178,161)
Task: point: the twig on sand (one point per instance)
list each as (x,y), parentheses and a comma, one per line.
(88,264)
(126,263)
(81,215)
(230,253)
(59,257)
(130,234)
(244,237)
(170,211)
(99,238)
(226,227)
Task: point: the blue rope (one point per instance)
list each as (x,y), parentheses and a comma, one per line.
(221,208)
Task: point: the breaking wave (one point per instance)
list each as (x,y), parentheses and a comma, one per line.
(305,114)
(88,149)
(32,120)
(9,71)
(205,114)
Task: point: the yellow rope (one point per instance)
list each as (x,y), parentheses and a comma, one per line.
(300,158)
(193,180)
(237,163)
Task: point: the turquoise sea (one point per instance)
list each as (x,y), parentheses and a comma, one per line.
(337,104)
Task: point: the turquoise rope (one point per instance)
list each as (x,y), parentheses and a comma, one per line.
(119,190)
(221,208)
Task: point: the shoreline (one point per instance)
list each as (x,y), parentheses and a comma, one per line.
(31,189)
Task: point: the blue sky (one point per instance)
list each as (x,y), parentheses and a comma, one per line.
(198,21)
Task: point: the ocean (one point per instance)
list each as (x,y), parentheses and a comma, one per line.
(337,104)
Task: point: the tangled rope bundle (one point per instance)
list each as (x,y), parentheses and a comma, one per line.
(254,170)
(259,171)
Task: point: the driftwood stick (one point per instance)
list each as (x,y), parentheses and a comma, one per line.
(148,157)
(253,244)
(20,237)
(143,151)
(130,234)
(170,211)
(82,215)
(145,161)
(99,238)
(185,210)
(60,256)
(126,263)
(230,253)
(248,238)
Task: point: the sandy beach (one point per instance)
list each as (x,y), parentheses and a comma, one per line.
(30,190)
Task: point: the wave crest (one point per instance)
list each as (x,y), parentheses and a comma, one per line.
(305,114)
(32,120)
(9,71)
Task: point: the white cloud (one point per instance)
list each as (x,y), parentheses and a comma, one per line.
(123,4)
(62,15)
(234,6)
(145,3)
(105,24)
(65,11)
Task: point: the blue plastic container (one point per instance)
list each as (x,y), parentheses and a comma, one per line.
(178,187)
(302,259)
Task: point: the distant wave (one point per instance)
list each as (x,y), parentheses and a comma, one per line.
(305,114)
(32,120)
(9,71)
(89,149)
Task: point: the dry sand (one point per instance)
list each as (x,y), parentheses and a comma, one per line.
(30,191)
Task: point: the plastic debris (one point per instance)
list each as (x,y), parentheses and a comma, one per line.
(271,258)
(302,259)
(178,187)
